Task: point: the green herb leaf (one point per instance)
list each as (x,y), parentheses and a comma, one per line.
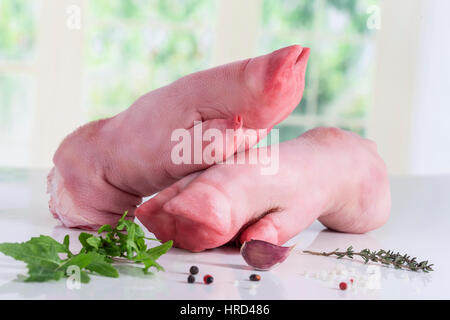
(102,267)
(105,228)
(42,260)
(39,273)
(81,260)
(49,242)
(83,237)
(94,242)
(158,251)
(149,257)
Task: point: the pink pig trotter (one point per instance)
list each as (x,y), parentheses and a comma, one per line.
(107,166)
(326,173)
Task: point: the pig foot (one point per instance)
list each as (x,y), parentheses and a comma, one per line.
(327,174)
(106,167)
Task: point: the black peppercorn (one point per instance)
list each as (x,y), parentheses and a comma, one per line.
(193,270)
(191,279)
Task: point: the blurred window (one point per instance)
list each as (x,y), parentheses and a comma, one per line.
(133,46)
(18,20)
(339,76)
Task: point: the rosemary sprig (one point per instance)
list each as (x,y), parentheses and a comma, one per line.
(381,256)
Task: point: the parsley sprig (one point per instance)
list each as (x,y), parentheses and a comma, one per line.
(127,241)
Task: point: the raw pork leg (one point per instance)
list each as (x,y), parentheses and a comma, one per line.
(106,167)
(326,173)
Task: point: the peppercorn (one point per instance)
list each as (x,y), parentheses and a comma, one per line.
(343,285)
(191,279)
(351,281)
(255,277)
(208,279)
(193,270)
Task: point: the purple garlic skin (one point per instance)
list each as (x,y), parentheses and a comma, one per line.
(263,255)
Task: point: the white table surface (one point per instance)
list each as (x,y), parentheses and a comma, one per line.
(419,225)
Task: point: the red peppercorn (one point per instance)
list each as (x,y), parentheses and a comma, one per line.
(208,279)
(343,285)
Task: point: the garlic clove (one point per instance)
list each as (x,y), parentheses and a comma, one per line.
(263,255)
